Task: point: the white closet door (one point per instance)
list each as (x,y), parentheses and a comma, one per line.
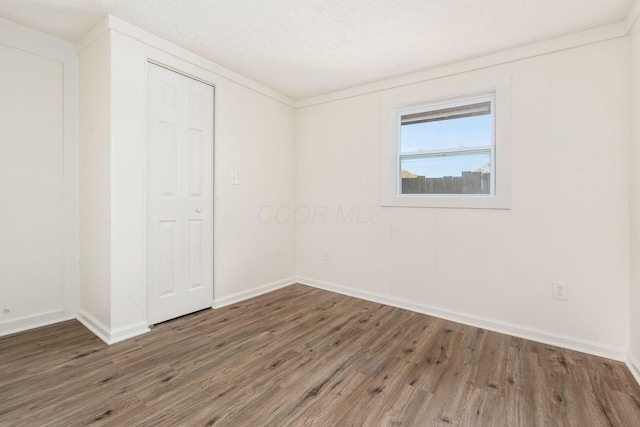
(180,195)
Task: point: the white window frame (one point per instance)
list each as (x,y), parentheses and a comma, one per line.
(496,90)
(429,107)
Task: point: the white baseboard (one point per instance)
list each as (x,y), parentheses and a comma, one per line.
(634,366)
(571,343)
(94,325)
(108,335)
(253,292)
(34,321)
(129,331)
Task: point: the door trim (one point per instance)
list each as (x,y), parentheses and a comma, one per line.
(152,60)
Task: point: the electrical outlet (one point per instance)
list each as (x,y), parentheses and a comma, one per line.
(560,291)
(325,254)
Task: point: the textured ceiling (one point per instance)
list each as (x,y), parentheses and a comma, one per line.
(303,48)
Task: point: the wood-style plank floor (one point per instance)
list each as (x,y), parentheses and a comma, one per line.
(305,357)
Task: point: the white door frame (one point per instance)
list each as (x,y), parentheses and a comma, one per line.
(213,169)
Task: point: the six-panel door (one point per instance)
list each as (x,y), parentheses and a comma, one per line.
(179,195)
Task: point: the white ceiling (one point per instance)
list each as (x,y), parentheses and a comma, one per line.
(304,48)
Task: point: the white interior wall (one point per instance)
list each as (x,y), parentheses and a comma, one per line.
(253,138)
(128,187)
(38,248)
(568,221)
(94,185)
(634,352)
(30,179)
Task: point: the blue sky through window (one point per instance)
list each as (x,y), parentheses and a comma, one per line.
(467,132)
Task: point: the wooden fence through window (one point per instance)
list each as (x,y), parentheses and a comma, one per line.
(468,183)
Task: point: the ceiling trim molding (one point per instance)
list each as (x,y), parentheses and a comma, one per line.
(93,34)
(116,24)
(34,41)
(632,16)
(583,38)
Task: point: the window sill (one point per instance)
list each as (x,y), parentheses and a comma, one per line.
(447,201)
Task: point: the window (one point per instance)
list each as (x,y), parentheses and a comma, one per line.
(446,148)
(449,152)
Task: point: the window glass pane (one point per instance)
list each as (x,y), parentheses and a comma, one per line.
(448,133)
(453,173)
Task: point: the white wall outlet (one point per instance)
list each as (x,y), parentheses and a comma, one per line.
(234,178)
(325,254)
(560,290)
